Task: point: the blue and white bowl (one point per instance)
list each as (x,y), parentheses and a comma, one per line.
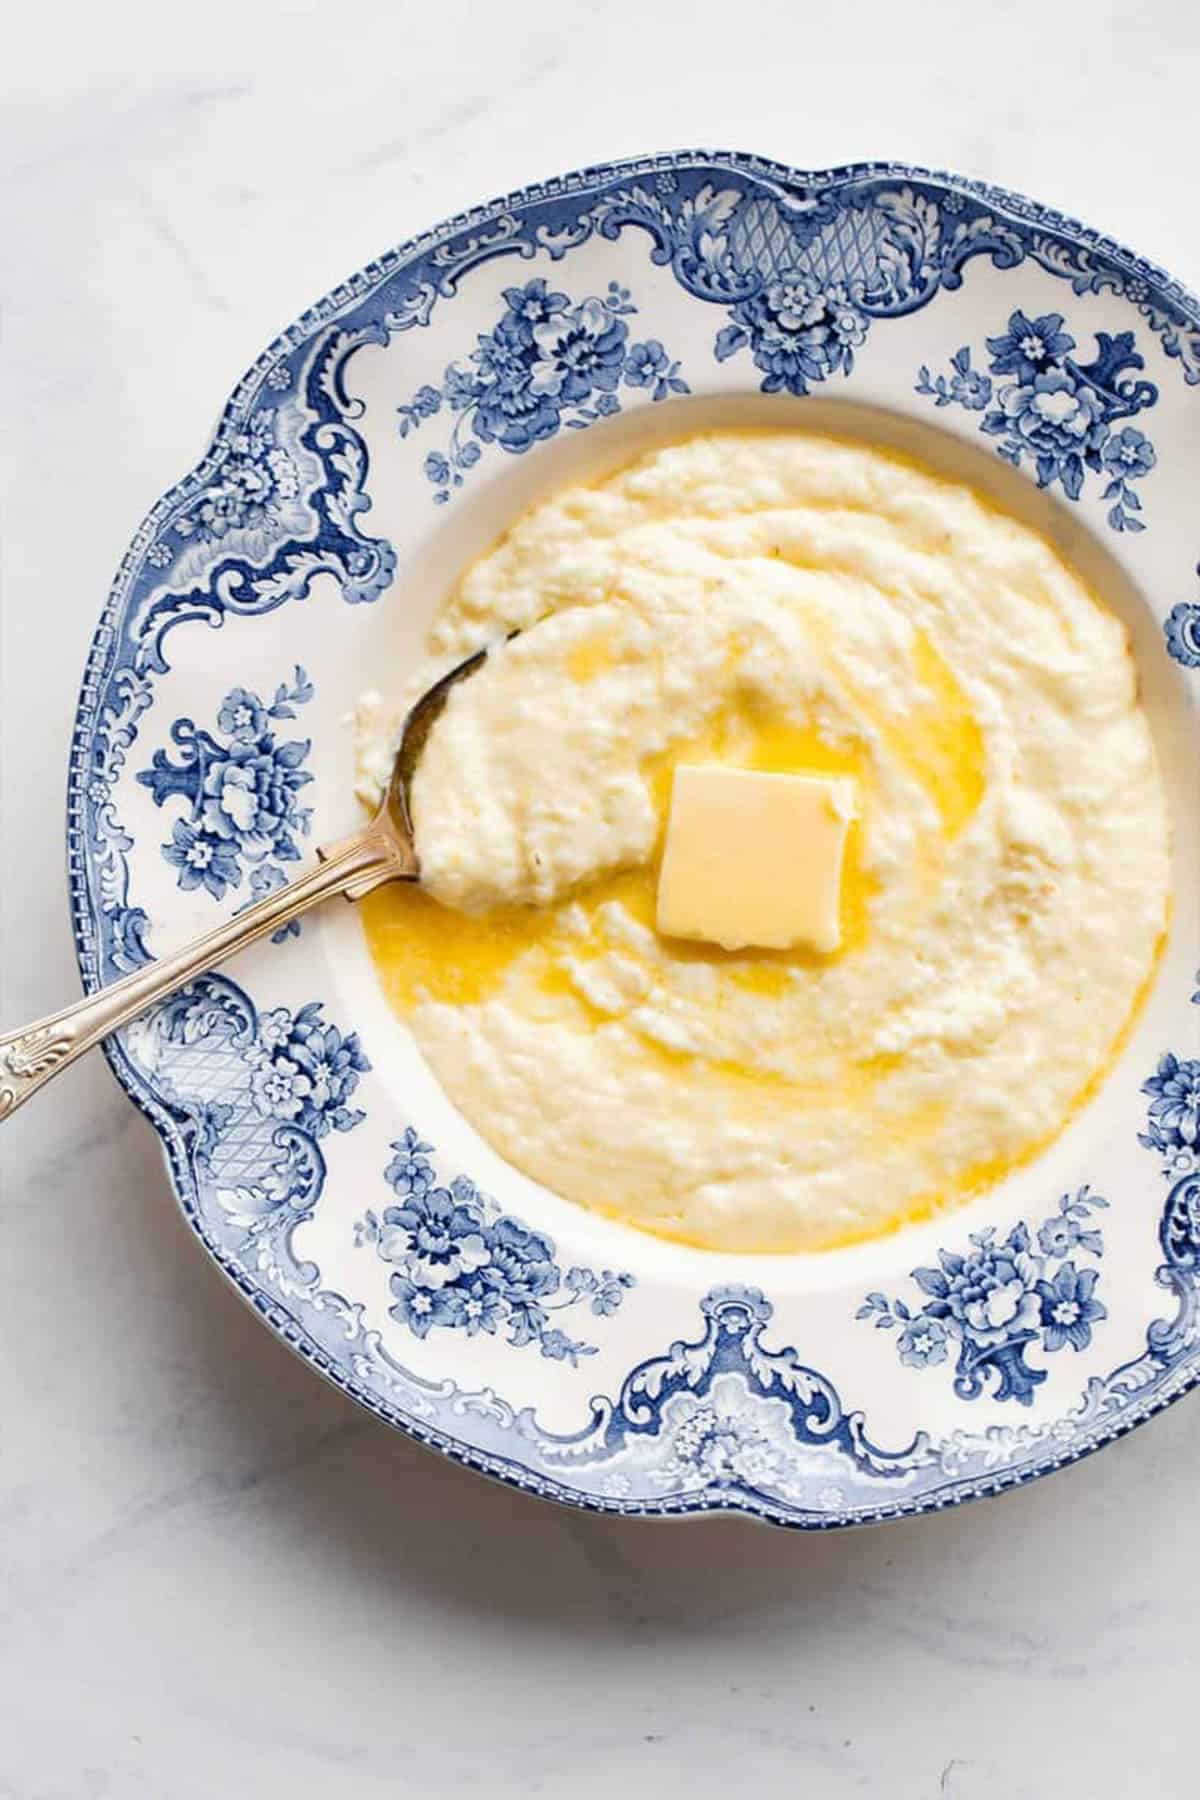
(385,439)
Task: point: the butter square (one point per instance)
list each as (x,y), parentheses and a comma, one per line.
(754,859)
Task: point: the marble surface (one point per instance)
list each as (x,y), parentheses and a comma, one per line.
(217,1577)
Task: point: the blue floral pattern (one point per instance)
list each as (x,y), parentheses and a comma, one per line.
(264,1090)
(995,1301)
(798,331)
(1173,1129)
(242,788)
(1182,630)
(304,1071)
(258,477)
(462,1264)
(1173,1126)
(1055,412)
(549,362)
(725,1412)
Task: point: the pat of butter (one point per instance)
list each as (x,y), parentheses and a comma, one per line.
(754,859)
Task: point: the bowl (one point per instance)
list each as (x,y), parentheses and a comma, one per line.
(367,455)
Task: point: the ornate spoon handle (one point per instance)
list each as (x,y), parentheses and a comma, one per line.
(35,1054)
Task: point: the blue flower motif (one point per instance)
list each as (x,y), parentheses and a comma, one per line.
(274,1028)
(256,479)
(420,1308)
(1174,1089)
(249,797)
(716,1443)
(242,715)
(966,387)
(1055,415)
(578,352)
(483,1309)
(557,1346)
(481,1270)
(460,388)
(222,509)
(280,1088)
(515,417)
(532,305)
(1068,1310)
(645,363)
(410,1170)
(923,1343)
(990,1294)
(502,357)
(202,860)
(648,366)
(608,1293)
(243,793)
(333,1063)
(1182,628)
(1030,346)
(798,332)
(1129,454)
(1057,412)
(305,1070)
(547,363)
(439,1239)
(1001,1299)
(426,401)
(1058,1236)
(509,410)
(522,1262)
(972,389)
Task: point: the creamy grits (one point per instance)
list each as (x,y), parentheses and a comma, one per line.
(780,602)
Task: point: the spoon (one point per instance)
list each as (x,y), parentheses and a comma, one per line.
(384,850)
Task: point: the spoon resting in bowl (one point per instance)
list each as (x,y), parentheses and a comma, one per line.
(384,850)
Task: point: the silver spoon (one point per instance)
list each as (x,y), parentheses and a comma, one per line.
(384,850)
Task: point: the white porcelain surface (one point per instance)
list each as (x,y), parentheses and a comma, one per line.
(215,1572)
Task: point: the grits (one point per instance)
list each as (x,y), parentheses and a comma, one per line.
(785,602)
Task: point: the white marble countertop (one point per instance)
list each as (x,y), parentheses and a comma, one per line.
(217,1577)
